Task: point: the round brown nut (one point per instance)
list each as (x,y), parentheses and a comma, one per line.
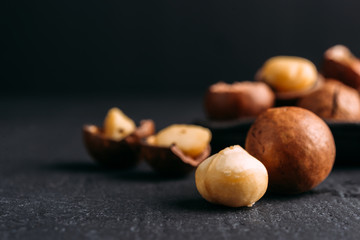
(238,100)
(341,64)
(232,178)
(177,150)
(296,147)
(333,101)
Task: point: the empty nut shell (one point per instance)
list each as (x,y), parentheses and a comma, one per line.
(124,153)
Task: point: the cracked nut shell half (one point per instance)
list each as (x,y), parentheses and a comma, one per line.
(121,154)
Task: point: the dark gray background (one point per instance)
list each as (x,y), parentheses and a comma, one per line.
(78,46)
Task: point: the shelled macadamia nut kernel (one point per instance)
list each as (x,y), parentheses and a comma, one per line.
(232,178)
(286,73)
(290,78)
(117,125)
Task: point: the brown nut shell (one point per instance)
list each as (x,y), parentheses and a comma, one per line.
(116,154)
(296,147)
(341,64)
(333,101)
(238,100)
(171,161)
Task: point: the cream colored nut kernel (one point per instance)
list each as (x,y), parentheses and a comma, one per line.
(286,73)
(117,125)
(232,178)
(191,139)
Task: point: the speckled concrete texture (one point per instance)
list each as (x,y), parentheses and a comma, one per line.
(51,189)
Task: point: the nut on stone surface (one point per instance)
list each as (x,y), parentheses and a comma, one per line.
(296,147)
(232,178)
(237,100)
(113,148)
(177,149)
(333,101)
(339,63)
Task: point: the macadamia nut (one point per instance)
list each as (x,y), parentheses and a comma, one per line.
(177,150)
(296,147)
(333,101)
(339,63)
(232,178)
(117,125)
(191,139)
(237,100)
(286,73)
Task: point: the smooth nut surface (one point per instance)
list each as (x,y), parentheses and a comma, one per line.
(287,73)
(339,63)
(232,178)
(296,147)
(237,100)
(333,101)
(191,139)
(117,125)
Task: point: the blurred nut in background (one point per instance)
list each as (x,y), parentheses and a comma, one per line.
(177,149)
(117,125)
(296,147)
(117,144)
(334,101)
(286,73)
(238,100)
(339,63)
(290,77)
(232,178)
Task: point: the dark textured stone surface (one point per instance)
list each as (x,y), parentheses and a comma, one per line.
(51,189)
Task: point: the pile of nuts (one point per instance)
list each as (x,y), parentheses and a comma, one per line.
(289,148)
(332,93)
